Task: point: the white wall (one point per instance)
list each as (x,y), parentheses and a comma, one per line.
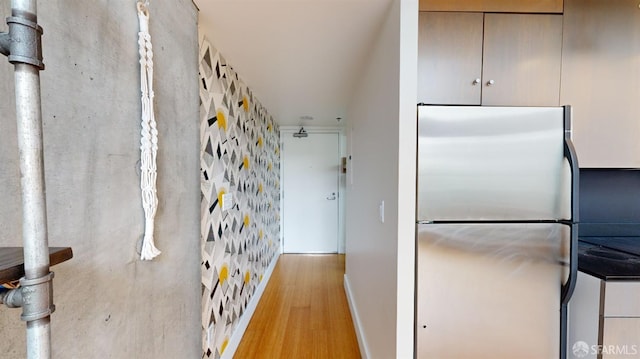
(109,303)
(407,149)
(382,141)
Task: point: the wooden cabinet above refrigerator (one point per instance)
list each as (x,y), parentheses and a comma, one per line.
(524,6)
(489,59)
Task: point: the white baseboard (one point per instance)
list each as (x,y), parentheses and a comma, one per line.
(362,343)
(236,337)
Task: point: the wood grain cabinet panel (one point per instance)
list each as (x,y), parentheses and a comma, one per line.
(528,6)
(620,338)
(623,300)
(522,56)
(450,58)
(601,80)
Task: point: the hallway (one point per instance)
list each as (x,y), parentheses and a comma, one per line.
(303,312)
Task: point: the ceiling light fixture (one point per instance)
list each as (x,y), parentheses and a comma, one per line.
(301,133)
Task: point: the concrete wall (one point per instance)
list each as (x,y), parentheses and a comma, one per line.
(382,144)
(109,303)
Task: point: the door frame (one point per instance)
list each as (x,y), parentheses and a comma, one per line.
(342,152)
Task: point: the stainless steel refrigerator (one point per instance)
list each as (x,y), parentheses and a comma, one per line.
(496,231)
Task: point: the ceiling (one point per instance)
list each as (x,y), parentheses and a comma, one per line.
(301,58)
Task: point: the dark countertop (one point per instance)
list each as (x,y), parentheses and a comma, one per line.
(602,258)
(609,217)
(629,245)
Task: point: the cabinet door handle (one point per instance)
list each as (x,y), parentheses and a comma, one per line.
(476,81)
(490,82)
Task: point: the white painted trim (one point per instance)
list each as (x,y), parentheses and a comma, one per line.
(236,337)
(281,193)
(342,198)
(362,343)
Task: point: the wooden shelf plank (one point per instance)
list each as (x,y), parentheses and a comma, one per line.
(12,261)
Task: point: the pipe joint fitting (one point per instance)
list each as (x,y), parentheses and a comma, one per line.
(37,297)
(12,298)
(24,42)
(5,43)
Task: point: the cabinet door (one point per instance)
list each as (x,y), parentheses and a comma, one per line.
(522,59)
(620,338)
(525,6)
(601,80)
(622,299)
(449,58)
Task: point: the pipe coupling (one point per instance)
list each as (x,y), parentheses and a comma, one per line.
(37,297)
(25,42)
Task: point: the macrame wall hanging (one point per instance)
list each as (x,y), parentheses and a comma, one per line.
(149,140)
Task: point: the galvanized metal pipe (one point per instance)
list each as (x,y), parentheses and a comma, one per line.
(36,291)
(29,6)
(34,227)
(34,212)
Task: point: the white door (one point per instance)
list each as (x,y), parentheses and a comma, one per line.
(310,188)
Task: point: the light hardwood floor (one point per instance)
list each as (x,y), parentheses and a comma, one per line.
(303,312)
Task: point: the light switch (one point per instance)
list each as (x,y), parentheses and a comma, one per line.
(382,211)
(227,201)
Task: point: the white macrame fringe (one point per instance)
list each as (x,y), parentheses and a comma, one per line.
(149,140)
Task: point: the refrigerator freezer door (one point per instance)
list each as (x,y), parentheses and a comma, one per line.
(492,163)
(490,290)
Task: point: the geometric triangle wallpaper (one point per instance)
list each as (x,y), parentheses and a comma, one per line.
(239,155)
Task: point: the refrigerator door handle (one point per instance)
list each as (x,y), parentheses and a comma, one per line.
(569,286)
(572,158)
